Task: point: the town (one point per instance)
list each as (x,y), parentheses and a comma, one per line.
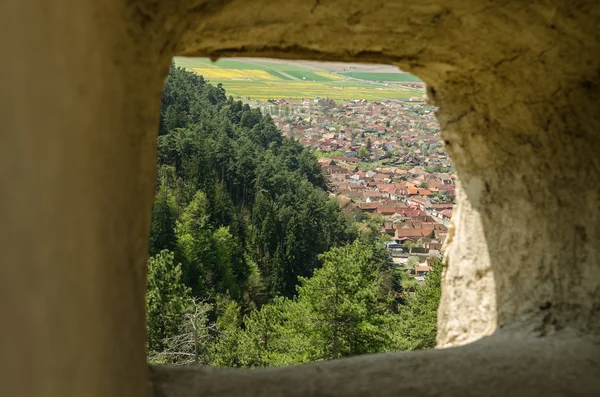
(386,165)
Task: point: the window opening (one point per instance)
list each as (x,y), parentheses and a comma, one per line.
(299,215)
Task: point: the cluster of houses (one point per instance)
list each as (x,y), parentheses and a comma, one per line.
(391,191)
(385,160)
(414,207)
(404,133)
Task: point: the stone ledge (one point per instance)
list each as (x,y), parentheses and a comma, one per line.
(512,362)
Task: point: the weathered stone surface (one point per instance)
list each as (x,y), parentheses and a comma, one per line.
(516,84)
(517,89)
(79,103)
(513,363)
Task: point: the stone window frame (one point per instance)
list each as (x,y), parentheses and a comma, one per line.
(516,86)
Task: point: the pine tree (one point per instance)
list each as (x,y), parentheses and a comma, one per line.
(225,350)
(162,224)
(194,239)
(262,330)
(224,249)
(167,299)
(342,297)
(417,320)
(275,335)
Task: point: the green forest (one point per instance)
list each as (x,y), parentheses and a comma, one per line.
(252,264)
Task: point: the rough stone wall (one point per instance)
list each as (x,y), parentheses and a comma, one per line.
(509,364)
(77,157)
(517,88)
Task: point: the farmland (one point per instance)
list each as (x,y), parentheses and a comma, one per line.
(262,79)
(405,77)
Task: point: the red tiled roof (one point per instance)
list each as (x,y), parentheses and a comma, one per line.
(411,233)
(447,213)
(387,210)
(367,206)
(372,193)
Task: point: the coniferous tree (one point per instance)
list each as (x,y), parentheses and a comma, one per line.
(194,239)
(346,311)
(167,299)
(275,335)
(162,225)
(225,350)
(247,214)
(417,319)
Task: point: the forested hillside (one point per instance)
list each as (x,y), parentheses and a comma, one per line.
(252,264)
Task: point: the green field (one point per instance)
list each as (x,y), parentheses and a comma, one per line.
(221,63)
(278,75)
(262,79)
(405,77)
(263,90)
(301,75)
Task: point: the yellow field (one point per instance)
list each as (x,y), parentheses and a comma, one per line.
(330,76)
(263,90)
(234,74)
(268,80)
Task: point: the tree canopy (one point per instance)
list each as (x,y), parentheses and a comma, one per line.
(231,190)
(251,263)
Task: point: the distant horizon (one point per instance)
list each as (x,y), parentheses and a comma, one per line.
(266,78)
(317,64)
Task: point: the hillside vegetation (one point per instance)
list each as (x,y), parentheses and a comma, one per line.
(251,263)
